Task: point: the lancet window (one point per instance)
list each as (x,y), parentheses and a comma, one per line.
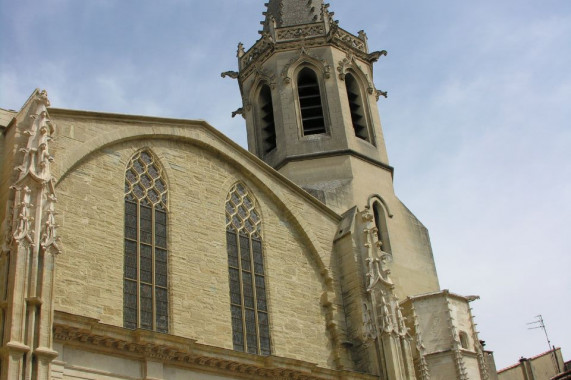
(266,119)
(145,283)
(358,116)
(310,102)
(381,224)
(248,303)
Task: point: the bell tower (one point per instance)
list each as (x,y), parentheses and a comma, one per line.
(310,103)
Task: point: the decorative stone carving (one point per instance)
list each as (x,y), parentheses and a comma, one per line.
(369,330)
(239,111)
(300,31)
(262,46)
(6,229)
(240,52)
(304,54)
(374,56)
(192,355)
(349,39)
(37,159)
(421,363)
(30,233)
(230,74)
(49,237)
(24,217)
(391,334)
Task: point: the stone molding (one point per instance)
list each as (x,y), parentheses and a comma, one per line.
(89,334)
(309,35)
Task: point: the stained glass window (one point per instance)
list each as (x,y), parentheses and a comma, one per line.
(248,305)
(145,281)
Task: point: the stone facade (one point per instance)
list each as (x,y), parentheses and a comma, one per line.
(341,273)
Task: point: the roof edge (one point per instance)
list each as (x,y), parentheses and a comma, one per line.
(130,119)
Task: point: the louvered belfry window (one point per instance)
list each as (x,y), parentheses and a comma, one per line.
(145,292)
(249,309)
(310,102)
(268,126)
(357,108)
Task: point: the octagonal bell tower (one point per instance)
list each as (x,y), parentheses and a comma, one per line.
(310,104)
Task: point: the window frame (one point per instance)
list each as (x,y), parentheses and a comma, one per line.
(242,260)
(138,202)
(322,97)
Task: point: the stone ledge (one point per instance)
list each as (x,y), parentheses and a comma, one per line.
(90,334)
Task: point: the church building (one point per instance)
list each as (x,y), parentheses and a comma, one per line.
(137,247)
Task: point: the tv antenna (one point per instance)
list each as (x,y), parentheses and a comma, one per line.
(540,324)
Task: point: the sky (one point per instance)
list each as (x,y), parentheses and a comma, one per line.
(477,120)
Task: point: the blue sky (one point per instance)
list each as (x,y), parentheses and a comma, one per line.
(477,122)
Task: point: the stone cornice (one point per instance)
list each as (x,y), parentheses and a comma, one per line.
(441,293)
(309,35)
(341,152)
(90,334)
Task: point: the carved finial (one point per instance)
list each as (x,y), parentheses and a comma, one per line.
(362,35)
(241,51)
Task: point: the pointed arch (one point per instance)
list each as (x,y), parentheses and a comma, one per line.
(248,302)
(145,282)
(380,212)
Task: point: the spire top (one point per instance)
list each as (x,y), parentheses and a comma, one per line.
(292,12)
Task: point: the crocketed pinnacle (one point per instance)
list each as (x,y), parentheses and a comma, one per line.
(293,12)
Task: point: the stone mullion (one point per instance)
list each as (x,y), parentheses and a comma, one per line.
(254,293)
(138,280)
(153,269)
(243,304)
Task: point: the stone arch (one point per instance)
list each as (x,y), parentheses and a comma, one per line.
(204,136)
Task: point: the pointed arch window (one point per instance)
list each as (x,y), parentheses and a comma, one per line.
(310,102)
(358,116)
(248,303)
(267,123)
(145,283)
(381,224)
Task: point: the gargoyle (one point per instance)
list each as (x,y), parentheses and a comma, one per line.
(374,56)
(231,74)
(381,93)
(239,111)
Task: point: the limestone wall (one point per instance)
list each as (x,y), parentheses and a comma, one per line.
(200,168)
